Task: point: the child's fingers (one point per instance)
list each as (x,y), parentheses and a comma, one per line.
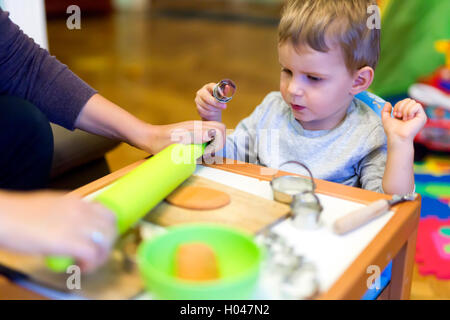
(210,100)
(205,111)
(386,111)
(207,114)
(206,95)
(407,108)
(212,104)
(201,102)
(209,87)
(402,107)
(398,109)
(387,108)
(412,110)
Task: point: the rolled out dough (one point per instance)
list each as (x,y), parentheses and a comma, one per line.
(198,198)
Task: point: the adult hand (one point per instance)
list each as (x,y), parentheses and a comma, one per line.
(187,132)
(53,223)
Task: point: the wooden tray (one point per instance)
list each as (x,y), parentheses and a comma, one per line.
(246,211)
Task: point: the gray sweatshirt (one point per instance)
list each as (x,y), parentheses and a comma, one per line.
(353,153)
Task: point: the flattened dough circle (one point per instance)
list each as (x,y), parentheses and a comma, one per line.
(198,198)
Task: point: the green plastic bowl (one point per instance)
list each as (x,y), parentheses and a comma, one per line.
(238,258)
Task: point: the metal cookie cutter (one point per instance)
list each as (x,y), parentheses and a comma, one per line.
(299,192)
(286,187)
(286,274)
(301,283)
(224,90)
(306,209)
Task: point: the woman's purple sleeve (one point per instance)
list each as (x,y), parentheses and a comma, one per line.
(30,72)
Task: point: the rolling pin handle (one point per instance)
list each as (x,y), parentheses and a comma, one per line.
(361,216)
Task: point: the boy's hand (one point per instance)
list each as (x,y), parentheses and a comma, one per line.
(409,118)
(207,106)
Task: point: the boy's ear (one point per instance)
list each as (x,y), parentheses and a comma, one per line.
(362,79)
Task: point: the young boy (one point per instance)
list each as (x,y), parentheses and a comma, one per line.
(327,55)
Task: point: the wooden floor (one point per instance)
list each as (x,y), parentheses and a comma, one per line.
(152,64)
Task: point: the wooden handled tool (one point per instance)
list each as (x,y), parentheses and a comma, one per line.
(361,216)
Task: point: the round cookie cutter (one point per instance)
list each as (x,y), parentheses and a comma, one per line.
(224,90)
(299,192)
(286,187)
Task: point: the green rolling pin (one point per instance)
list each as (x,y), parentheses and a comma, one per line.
(132,196)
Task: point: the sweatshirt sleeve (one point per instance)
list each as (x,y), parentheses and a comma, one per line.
(242,144)
(371,168)
(30,72)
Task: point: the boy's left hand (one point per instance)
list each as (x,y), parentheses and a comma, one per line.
(409,118)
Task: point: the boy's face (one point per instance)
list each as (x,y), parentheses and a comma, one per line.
(316,85)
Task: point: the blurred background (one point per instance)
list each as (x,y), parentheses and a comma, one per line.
(151,56)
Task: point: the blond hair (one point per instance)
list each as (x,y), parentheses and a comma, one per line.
(322,23)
